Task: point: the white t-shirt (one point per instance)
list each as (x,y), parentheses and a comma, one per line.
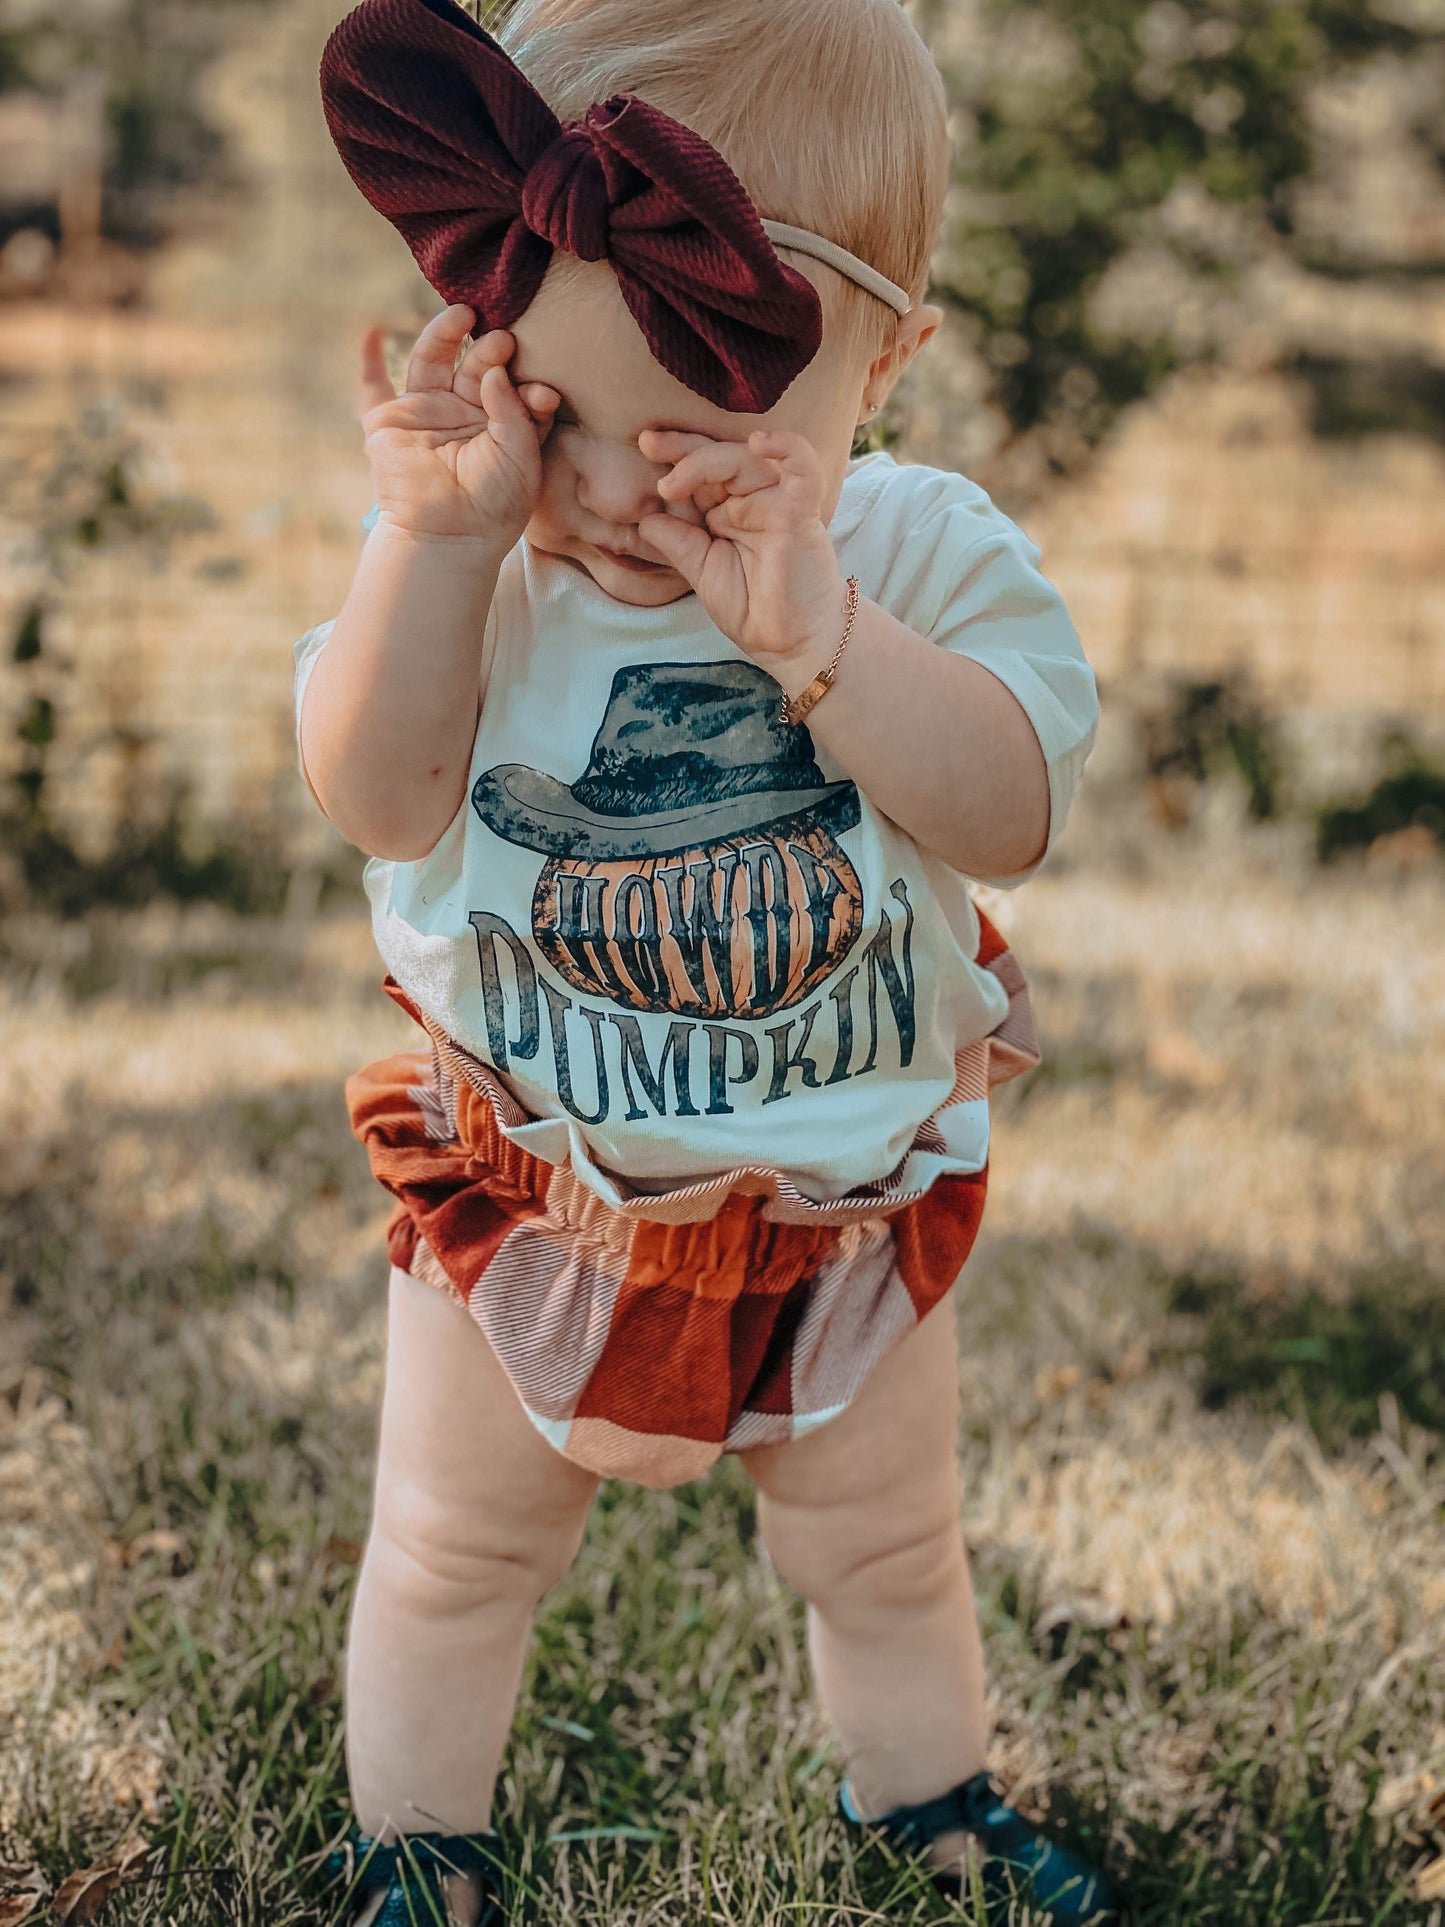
(684,939)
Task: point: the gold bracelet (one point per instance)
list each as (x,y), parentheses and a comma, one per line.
(795,708)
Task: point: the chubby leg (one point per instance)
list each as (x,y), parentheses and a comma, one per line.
(475,1516)
(862,1518)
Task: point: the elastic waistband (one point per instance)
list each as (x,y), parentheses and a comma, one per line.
(529,1185)
(485,1115)
(736,1239)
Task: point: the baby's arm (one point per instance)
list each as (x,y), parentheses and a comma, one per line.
(391,708)
(937,740)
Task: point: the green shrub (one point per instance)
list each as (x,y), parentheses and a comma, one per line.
(1203,729)
(1079,121)
(1409,797)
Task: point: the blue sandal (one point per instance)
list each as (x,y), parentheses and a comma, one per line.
(410,1871)
(1019,1861)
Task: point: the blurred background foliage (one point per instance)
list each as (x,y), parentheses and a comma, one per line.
(141,61)
(1142,189)
(1098,144)
(1126,168)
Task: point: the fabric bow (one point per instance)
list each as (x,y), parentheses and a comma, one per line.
(447,138)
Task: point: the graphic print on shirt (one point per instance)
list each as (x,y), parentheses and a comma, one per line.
(692,871)
(694,866)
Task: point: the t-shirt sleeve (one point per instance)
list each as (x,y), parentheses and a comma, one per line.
(305,651)
(969,579)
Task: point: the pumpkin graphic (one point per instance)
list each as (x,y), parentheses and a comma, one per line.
(741,927)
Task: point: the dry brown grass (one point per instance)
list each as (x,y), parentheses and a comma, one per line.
(1215,1603)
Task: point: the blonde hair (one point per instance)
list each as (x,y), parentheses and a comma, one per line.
(830,112)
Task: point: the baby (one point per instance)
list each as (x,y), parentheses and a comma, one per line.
(672,734)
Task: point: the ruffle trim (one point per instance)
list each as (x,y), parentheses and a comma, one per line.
(1006,1052)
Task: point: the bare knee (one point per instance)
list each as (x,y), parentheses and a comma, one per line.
(861,1565)
(438,1560)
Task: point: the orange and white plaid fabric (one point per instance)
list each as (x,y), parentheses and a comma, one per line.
(644,1342)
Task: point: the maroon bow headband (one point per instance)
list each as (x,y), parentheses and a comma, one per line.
(447,138)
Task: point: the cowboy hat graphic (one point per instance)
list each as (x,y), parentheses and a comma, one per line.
(687,754)
(694,866)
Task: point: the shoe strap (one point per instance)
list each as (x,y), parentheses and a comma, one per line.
(1065,1883)
(973,1806)
(373,1864)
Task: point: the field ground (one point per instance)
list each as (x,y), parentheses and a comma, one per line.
(1204,1407)
(1204,1349)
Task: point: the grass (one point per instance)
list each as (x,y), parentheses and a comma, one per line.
(1202,1437)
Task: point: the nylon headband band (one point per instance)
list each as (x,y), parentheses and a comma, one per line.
(822,249)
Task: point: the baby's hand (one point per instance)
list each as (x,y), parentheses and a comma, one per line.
(763,564)
(460,452)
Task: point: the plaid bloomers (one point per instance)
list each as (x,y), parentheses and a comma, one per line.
(643,1342)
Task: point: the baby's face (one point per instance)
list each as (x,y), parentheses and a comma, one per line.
(580,339)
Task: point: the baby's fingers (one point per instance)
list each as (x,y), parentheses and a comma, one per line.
(729,466)
(375,387)
(508,421)
(794,453)
(494,349)
(795,465)
(669,444)
(434,358)
(491,349)
(542,401)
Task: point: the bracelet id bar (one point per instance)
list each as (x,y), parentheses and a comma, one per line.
(795,708)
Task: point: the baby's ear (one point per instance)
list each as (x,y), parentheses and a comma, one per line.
(919,325)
